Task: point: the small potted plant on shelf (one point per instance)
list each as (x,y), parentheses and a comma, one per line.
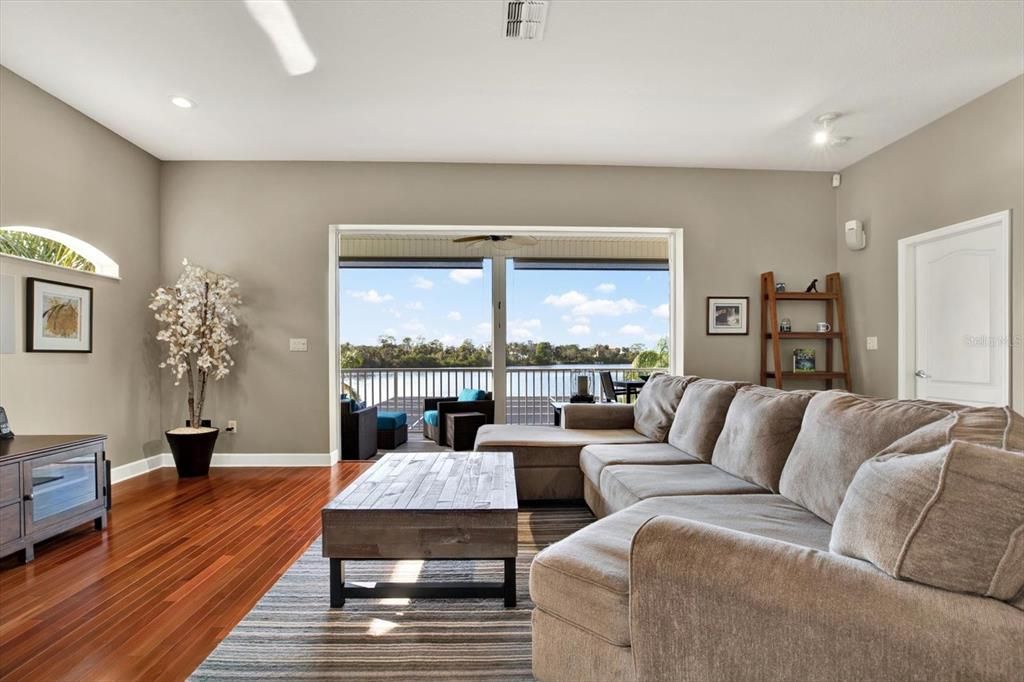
(197,316)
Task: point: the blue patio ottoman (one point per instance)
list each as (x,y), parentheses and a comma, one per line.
(392,429)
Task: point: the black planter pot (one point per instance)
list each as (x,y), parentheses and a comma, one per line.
(192,452)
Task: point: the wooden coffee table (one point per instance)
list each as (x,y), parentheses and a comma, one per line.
(426,505)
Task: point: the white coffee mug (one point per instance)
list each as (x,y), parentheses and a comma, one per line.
(824,327)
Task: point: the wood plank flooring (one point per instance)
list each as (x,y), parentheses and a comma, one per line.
(181,562)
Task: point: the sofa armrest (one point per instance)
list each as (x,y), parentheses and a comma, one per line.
(597,416)
(712,603)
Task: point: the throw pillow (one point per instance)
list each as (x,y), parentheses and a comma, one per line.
(951,518)
(700,416)
(997,427)
(841,431)
(656,405)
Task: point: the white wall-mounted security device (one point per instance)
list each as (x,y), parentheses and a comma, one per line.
(837,179)
(856,239)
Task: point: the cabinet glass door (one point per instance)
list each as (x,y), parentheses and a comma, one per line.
(63,484)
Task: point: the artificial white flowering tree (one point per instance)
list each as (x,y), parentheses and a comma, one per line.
(197,318)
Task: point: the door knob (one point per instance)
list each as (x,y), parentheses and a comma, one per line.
(921,374)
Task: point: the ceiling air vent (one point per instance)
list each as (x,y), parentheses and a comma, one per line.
(524,19)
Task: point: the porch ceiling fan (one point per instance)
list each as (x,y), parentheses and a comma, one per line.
(504,242)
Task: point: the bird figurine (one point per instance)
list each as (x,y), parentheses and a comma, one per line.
(812,287)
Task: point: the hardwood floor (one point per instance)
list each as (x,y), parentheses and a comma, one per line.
(181,562)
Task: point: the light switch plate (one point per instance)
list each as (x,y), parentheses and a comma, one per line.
(872,343)
(298,345)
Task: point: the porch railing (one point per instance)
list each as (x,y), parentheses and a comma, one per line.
(529,390)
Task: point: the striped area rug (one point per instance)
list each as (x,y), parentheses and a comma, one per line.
(292,633)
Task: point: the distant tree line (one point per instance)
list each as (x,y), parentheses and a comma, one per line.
(389,352)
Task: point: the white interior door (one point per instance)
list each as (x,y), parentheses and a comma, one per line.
(956,313)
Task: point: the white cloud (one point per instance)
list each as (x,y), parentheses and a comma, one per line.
(579,329)
(661,310)
(371,296)
(414,326)
(422,283)
(455,316)
(522,330)
(414,305)
(633,330)
(565,300)
(465,276)
(449,339)
(605,287)
(483,330)
(570,319)
(607,307)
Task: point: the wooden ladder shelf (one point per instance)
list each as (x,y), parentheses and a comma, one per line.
(771,337)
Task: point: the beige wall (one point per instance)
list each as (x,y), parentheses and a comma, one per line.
(59,169)
(267,225)
(967,164)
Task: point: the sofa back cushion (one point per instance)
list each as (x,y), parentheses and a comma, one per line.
(760,428)
(471,395)
(656,405)
(841,431)
(700,416)
(951,518)
(997,427)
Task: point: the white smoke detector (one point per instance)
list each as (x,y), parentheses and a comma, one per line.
(525,19)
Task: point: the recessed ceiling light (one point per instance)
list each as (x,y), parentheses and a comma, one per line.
(182,102)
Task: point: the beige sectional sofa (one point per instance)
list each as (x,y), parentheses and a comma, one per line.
(742,536)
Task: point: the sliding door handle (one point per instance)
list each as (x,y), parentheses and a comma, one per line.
(921,374)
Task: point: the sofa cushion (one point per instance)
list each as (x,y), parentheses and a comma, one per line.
(432,417)
(548,445)
(760,428)
(468,395)
(389,421)
(700,416)
(594,458)
(951,518)
(839,432)
(997,427)
(656,405)
(584,579)
(623,485)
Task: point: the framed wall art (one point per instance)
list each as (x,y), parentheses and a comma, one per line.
(728,314)
(59,317)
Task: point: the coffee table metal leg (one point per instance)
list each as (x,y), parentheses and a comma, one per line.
(337,583)
(510,582)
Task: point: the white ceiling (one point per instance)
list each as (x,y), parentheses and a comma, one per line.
(640,83)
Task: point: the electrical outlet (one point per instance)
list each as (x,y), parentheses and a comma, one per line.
(872,343)
(298,345)
(232,426)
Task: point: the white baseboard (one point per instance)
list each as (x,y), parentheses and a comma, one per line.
(266,459)
(227,459)
(140,466)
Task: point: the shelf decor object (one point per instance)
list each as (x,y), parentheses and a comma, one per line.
(804,367)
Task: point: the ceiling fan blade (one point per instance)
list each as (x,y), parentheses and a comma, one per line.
(522,240)
(474,238)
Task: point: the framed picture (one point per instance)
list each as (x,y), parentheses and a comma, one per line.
(59,317)
(728,314)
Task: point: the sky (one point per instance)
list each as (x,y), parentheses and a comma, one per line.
(619,308)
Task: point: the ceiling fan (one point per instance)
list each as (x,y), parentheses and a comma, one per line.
(504,242)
